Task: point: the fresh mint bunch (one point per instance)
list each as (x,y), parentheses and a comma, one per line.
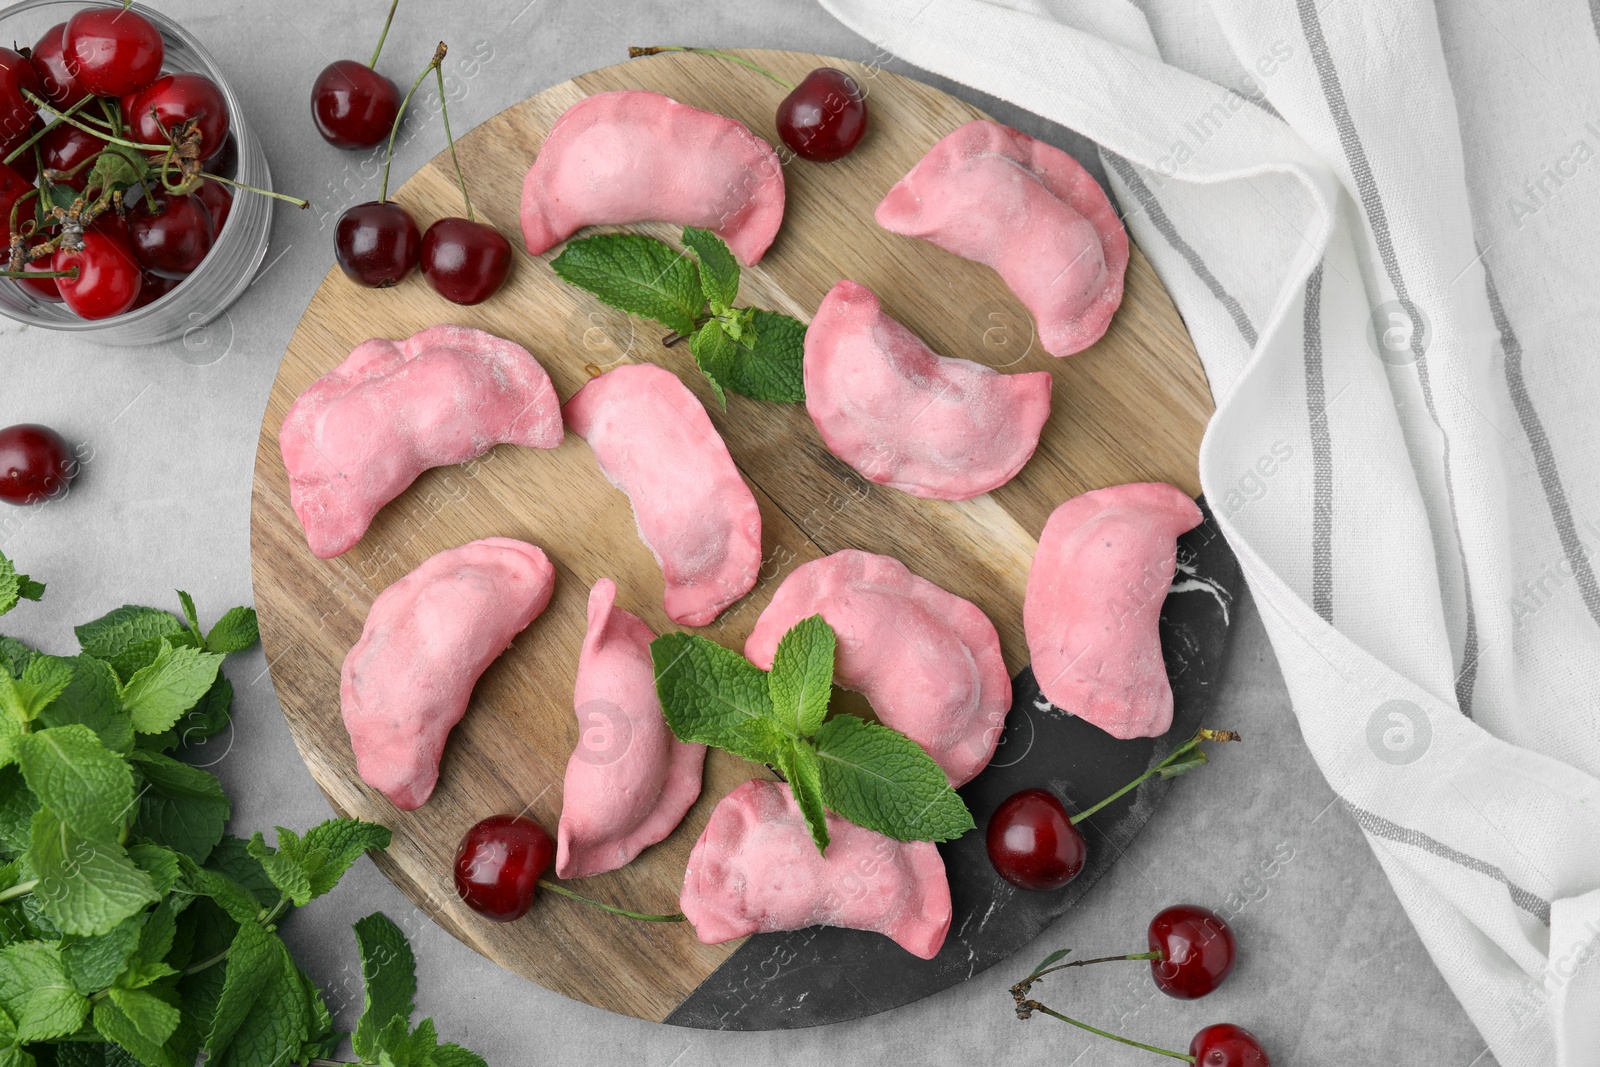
(134,929)
(861,771)
(752,352)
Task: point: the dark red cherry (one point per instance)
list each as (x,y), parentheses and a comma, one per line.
(218,200)
(16,111)
(825,117)
(465,261)
(1226,1045)
(114,50)
(499,864)
(226,162)
(112,225)
(1032,842)
(35,464)
(27,164)
(153,287)
(66,151)
(57,77)
(156,112)
(353,105)
(377,244)
(108,278)
(12,186)
(1197,947)
(171,237)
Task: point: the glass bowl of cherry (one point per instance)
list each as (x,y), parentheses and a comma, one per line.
(180,248)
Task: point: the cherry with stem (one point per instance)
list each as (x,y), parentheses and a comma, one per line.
(463,259)
(353,105)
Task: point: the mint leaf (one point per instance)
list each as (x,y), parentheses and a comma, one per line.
(388,969)
(189,613)
(719,271)
(714,353)
(178,1050)
(158,694)
(88,786)
(159,862)
(36,993)
(137,657)
(283,864)
(85,887)
(120,630)
(14,586)
(740,325)
(640,275)
(714,696)
(42,681)
(240,904)
(800,766)
(14,655)
(236,631)
(17,805)
(92,963)
(772,370)
(153,1018)
(340,842)
(205,719)
(181,806)
(232,857)
(801,680)
(882,780)
(93,699)
(262,1017)
(251,957)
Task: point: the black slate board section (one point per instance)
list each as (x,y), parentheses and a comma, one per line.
(826,974)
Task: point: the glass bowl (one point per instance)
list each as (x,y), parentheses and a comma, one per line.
(237,251)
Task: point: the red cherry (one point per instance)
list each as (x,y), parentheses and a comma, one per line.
(12,186)
(353,105)
(173,236)
(16,111)
(58,78)
(35,464)
(113,225)
(499,864)
(27,164)
(67,149)
(218,201)
(825,117)
(155,114)
(108,276)
(1032,842)
(1197,948)
(1226,1045)
(115,50)
(43,288)
(153,287)
(377,244)
(465,261)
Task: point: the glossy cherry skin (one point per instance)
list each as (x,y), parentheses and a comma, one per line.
(499,864)
(218,200)
(1197,947)
(108,278)
(1032,843)
(353,105)
(67,149)
(825,117)
(377,244)
(57,77)
(465,261)
(43,288)
(16,112)
(114,51)
(12,186)
(153,287)
(172,237)
(174,99)
(1226,1045)
(35,464)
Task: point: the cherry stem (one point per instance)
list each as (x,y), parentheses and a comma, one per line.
(1156,955)
(67,117)
(295,200)
(73,273)
(634,52)
(388,156)
(373,62)
(675,917)
(450,139)
(1034,1005)
(31,141)
(1189,754)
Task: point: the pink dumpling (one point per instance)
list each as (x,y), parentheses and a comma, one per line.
(755,869)
(638,156)
(362,433)
(903,415)
(989,193)
(629,781)
(1102,571)
(427,640)
(927,661)
(654,441)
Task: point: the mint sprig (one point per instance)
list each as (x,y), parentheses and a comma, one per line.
(134,929)
(749,351)
(859,770)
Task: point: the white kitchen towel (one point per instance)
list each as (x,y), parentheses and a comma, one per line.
(1381,222)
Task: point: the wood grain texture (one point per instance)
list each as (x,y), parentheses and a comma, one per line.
(1131,408)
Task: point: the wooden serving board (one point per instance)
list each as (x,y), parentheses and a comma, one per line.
(1130,409)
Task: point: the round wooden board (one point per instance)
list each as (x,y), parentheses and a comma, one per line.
(1132,408)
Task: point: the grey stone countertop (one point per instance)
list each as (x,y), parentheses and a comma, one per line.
(1330,971)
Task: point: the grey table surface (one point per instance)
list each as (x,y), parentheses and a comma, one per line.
(1330,970)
